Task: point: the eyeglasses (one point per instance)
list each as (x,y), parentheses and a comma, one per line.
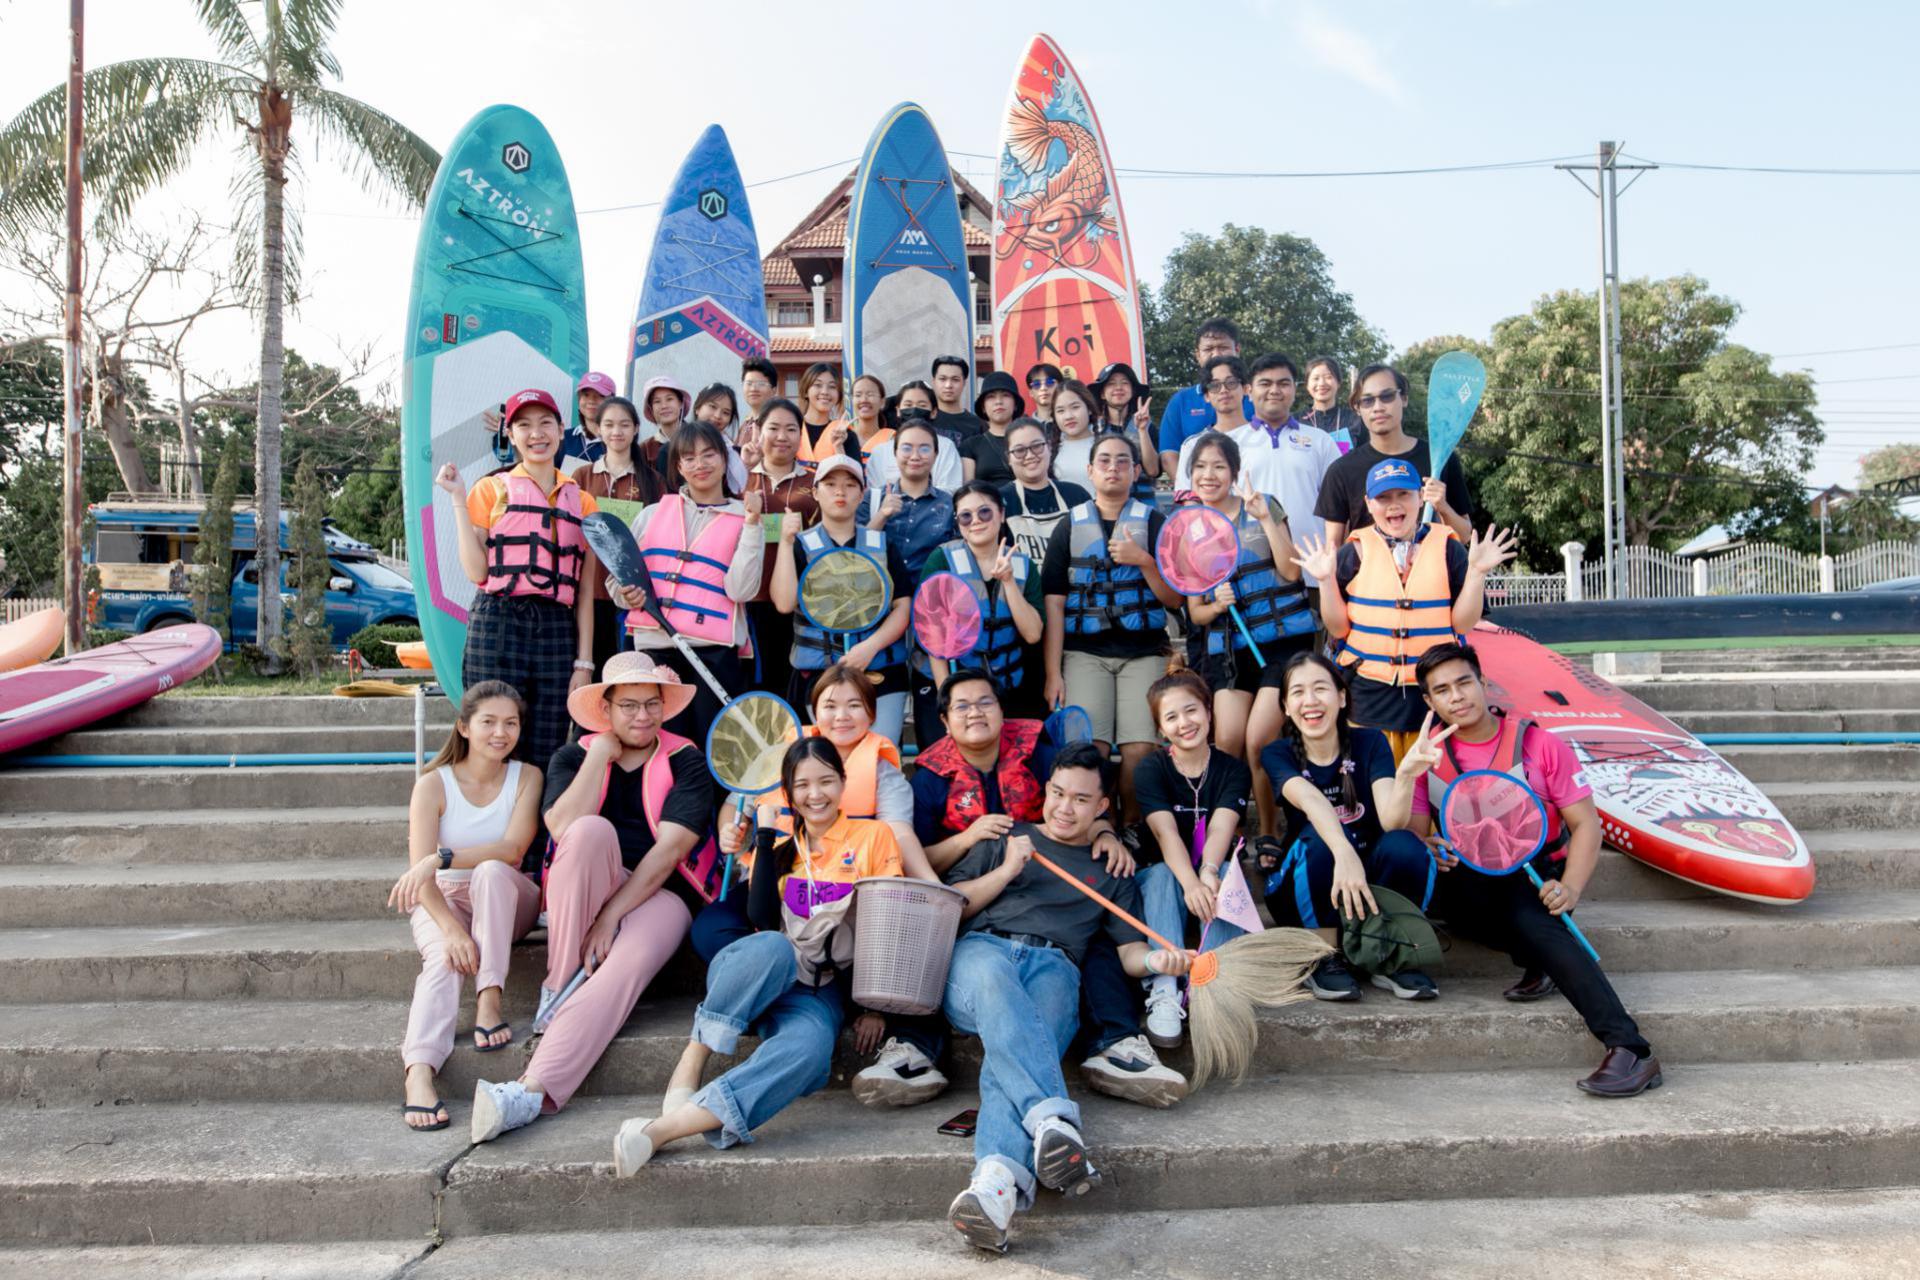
(1034,450)
(1385,397)
(652,706)
(975,515)
(983,706)
(1034,384)
(1224,384)
(914,450)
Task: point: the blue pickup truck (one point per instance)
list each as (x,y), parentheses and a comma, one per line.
(144,551)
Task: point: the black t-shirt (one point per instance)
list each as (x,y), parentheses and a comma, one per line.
(1116,641)
(1160,787)
(1041,903)
(1372,760)
(1343,491)
(958,427)
(1399,708)
(989,454)
(689,803)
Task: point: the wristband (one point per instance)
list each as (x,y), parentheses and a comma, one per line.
(582,664)
(446,857)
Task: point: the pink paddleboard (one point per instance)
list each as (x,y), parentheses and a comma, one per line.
(65,694)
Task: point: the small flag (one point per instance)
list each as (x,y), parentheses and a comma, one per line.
(1235,904)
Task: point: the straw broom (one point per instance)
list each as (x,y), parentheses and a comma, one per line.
(1268,969)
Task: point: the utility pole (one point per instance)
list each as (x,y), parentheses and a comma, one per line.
(74,499)
(1613,410)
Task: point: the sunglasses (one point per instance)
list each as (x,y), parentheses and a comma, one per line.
(1034,384)
(1033,450)
(975,515)
(1224,384)
(1385,397)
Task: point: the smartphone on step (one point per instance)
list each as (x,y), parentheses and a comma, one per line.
(961,1126)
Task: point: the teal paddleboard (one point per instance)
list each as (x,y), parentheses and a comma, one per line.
(498,305)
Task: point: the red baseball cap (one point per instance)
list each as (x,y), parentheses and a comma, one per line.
(521,399)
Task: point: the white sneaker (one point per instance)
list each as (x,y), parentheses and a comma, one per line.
(1060,1158)
(1165,1013)
(498,1108)
(1130,1069)
(983,1212)
(550,1000)
(901,1076)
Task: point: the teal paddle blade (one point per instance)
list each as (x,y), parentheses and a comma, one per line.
(1454,389)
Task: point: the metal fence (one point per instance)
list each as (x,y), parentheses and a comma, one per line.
(1761,568)
(1879,562)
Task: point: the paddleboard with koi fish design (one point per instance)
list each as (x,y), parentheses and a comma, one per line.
(1664,798)
(1064,291)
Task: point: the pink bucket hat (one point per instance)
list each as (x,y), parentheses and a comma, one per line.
(588,704)
(657,384)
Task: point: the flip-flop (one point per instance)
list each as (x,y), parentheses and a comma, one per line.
(484,1032)
(438,1108)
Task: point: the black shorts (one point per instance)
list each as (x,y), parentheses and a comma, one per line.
(1238,670)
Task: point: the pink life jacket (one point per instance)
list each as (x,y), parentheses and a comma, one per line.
(702,866)
(536,548)
(690,582)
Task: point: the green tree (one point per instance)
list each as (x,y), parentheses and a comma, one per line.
(1276,288)
(309,638)
(145,119)
(31,511)
(1713,433)
(1889,463)
(213,553)
(32,399)
(369,506)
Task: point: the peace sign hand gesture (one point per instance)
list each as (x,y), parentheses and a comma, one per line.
(1425,752)
(1256,503)
(1002,571)
(1316,556)
(1489,553)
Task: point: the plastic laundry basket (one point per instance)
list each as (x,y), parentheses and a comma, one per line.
(903,932)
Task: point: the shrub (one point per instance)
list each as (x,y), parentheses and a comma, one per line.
(376,643)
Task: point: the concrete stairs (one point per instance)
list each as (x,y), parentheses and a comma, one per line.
(202,998)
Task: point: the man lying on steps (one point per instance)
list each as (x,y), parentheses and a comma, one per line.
(1015,982)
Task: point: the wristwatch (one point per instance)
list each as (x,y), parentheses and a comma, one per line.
(446,857)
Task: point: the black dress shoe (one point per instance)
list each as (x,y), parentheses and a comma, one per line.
(1533,985)
(1623,1074)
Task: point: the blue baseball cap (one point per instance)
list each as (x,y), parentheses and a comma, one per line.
(1390,475)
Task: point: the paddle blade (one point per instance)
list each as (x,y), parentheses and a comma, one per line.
(844,589)
(946,616)
(1197,550)
(613,543)
(1494,821)
(1454,389)
(747,740)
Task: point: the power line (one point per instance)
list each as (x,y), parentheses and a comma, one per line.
(1779,169)
(1211,174)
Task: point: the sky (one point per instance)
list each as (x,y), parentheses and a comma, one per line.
(1820,263)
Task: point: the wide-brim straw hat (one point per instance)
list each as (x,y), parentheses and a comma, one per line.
(588,704)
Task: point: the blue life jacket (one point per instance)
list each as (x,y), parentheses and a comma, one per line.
(1000,650)
(1102,595)
(816,650)
(1270,605)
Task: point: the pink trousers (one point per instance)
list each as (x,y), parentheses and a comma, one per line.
(585,873)
(497,905)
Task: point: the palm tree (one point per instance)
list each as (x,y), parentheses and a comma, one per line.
(144,120)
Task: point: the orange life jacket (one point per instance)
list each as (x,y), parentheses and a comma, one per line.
(1393,621)
(811,454)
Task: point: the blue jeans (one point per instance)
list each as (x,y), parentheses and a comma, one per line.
(752,985)
(1023,1002)
(1301,890)
(1165,906)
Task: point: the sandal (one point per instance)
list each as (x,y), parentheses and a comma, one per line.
(481,1034)
(438,1108)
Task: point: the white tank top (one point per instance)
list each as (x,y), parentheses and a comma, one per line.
(464,824)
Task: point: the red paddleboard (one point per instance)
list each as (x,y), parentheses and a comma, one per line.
(1064,291)
(1664,797)
(58,697)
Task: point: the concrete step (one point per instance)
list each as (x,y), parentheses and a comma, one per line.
(1846,861)
(151,1052)
(1871,720)
(1828,691)
(355,1260)
(1847,806)
(57,896)
(44,791)
(228,739)
(179,710)
(257,1173)
(376,958)
(1725,1235)
(168,835)
(1766,765)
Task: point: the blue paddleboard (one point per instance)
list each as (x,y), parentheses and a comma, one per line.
(703,305)
(905,295)
(498,305)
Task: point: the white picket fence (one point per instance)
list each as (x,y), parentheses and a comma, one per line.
(1761,568)
(14,610)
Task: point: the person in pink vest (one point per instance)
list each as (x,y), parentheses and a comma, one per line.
(519,539)
(630,807)
(704,568)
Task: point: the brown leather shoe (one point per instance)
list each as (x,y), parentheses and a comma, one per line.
(1623,1074)
(1533,985)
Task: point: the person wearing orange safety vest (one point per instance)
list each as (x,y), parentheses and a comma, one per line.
(1396,589)
(702,568)
(519,539)
(825,429)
